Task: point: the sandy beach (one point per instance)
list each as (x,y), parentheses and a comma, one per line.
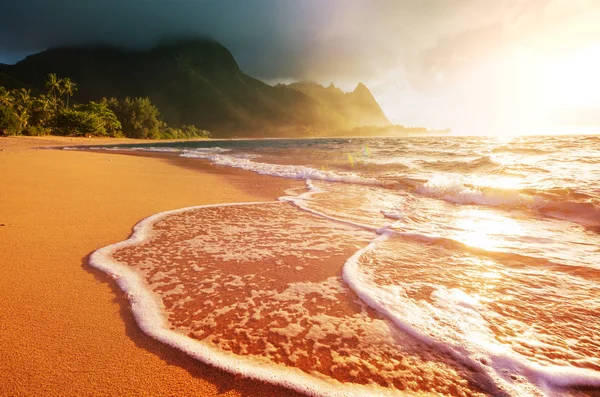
(65,327)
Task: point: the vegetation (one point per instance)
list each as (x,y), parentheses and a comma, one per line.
(22,113)
(138,116)
(194,81)
(9,123)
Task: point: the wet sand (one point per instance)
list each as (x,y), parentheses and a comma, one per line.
(66,328)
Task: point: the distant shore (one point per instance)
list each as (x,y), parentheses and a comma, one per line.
(66,328)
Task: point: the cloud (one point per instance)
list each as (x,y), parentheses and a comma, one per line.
(410,51)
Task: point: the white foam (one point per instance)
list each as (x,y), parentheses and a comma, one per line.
(301,200)
(474,347)
(148,312)
(393,214)
(280,170)
(455,191)
(473,343)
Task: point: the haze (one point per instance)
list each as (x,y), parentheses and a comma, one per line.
(476,66)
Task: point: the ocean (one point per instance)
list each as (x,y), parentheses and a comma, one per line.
(400,266)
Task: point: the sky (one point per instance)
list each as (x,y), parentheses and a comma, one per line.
(476,66)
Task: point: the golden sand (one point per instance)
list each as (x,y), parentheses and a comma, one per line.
(65,328)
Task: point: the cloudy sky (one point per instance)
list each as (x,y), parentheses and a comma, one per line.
(476,66)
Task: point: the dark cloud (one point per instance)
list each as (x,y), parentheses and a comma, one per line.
(295,38)
(269,37)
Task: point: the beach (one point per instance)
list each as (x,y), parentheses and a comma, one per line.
(65,327)
(446,266)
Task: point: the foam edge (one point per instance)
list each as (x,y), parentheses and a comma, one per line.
(544,377)
(147,310)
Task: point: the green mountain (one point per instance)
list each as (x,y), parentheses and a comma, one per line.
(198,81)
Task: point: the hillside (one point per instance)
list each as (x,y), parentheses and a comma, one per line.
(358,107)
(197,81)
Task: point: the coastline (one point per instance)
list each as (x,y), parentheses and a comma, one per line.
(66,326)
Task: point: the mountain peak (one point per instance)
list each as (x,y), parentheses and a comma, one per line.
(199,51)
(358,107)
(362,89)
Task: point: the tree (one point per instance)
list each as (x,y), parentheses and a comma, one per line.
(111,124)
(138,116)
(5,97)
(22,113)
(54,88)
(191,131)
(9,123)
(67,88)
(73,122)
(21,105)
(42,110)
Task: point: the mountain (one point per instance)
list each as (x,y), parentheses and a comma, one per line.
(358,107)
(197,81)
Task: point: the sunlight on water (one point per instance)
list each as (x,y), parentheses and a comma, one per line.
(483,229)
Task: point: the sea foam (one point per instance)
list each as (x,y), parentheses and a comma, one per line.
(149,310)
(280,170)
(505,371)
(454,325)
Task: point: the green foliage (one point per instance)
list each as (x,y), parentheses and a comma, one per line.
(9,123)
(191,131)
(22,113)
(111,125)
(5,97)
(41,112)
(171,133)
(53,87)
(67,88)
(73,122)
(185,132)
(92,119)
(21,102)
(32,130)
(138,116)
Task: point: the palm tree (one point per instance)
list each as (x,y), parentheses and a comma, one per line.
(42,109)
(68,88)
(5,97)
(54,87)
(21,99)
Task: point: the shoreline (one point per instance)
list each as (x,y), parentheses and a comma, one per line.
(67,326)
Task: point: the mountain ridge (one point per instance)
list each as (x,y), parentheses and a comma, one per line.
(195,81)
(358,106)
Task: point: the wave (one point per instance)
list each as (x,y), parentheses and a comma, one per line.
(148,312)
(481,164)
(417,324)
(520,150)
(456,191)
(470,341)
(382,167)
(564,204)
(393,214)
(160,149)
(281,170)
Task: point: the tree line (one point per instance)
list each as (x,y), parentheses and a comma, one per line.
(22,113)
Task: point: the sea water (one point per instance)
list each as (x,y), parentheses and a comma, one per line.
(426,266)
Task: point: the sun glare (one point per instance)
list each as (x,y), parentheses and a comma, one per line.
(573,81)
(484,229)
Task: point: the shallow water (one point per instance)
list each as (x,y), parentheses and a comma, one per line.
(452,265)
